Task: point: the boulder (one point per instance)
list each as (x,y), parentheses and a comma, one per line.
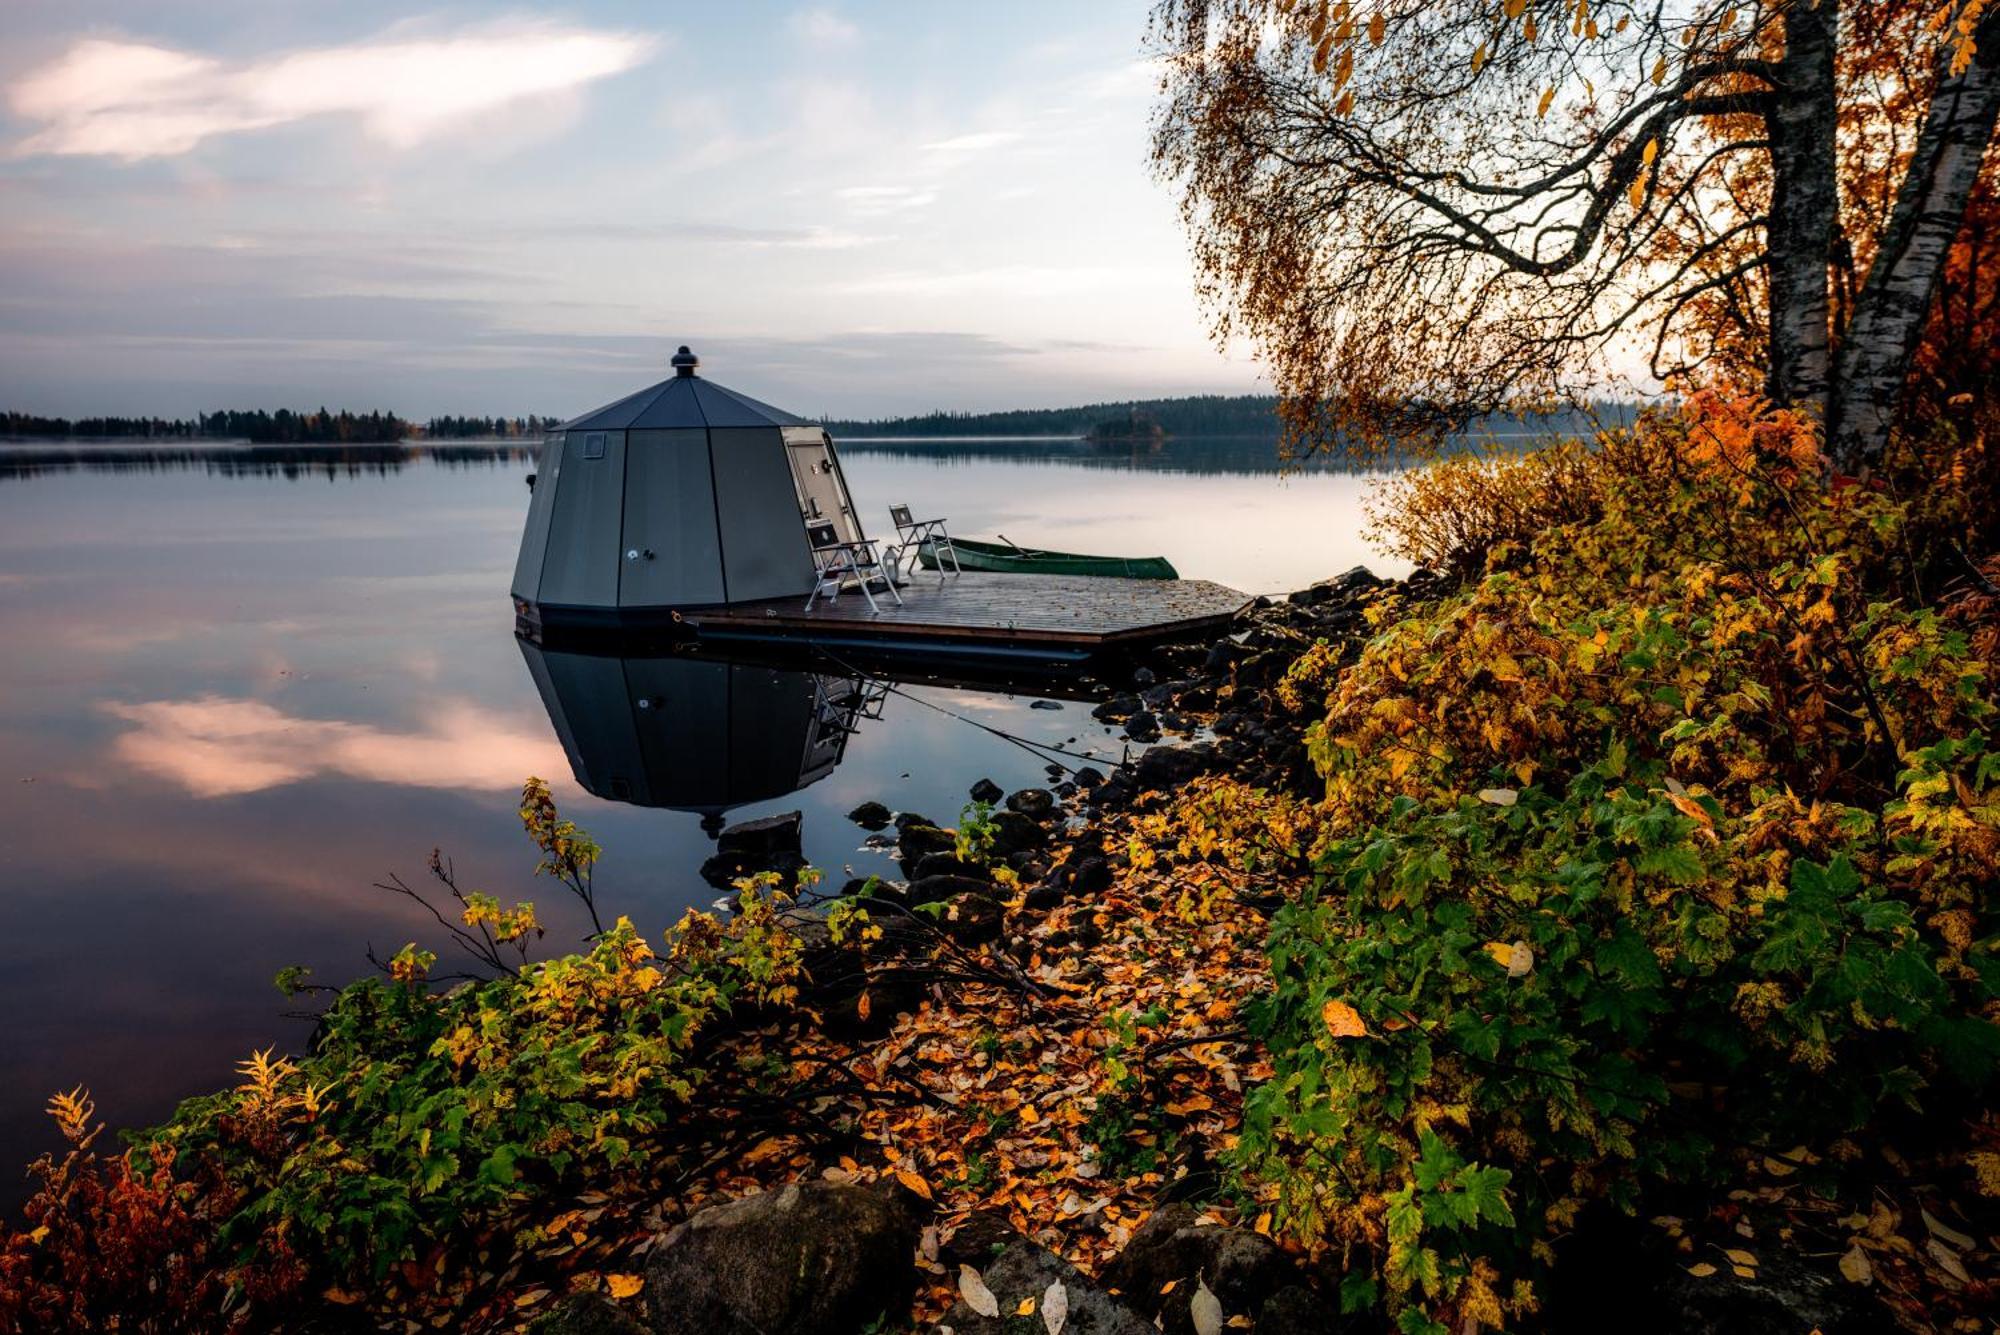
(1786,1295)
(917,840)
(586,1314)
(1089,777)
(1086,876)
(1045,704)
(1144,677)
(905,819)
(949,864)
(770,843)
(987,791)
(1176,1246)
(1143,726)
(1117,708)
(1015,833)
(1166,767)
(1023,1271)
(871,815)
(970,919)
(807,1259)
(937,889)
(1035,802)
(1297,1310)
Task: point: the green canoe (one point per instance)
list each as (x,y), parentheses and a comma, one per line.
(1006,558)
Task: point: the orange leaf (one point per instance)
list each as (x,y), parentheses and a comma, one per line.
(1343,1021)
(624,1286)
(914,1183)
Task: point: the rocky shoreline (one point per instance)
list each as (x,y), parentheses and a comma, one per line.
(846,1254)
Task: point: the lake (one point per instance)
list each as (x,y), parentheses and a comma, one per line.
(237,692)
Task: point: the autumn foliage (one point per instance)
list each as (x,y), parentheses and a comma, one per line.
(1670,834)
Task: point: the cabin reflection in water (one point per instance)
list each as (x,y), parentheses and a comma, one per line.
(697,733)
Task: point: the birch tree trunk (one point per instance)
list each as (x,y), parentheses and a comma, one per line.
(1805,206)
(1873,364)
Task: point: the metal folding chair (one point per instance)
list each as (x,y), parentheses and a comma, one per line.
(836,561)
(915,534)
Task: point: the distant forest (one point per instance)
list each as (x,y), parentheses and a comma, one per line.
(283,427)
(1201,415)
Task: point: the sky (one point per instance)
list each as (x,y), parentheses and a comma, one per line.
(849,209)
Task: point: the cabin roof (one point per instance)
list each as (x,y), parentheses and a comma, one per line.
(684,400)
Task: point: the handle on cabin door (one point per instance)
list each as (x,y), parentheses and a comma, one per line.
(635,554)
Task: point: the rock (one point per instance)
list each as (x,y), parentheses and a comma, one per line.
(1089,777)
(870,815)
(971,918)
(936,889)
(1044,704)
(586,1314)
(813,1259)
(1143,727)
(917,840)
(765,837)
(1117,708)
(1166,767)
(949,864)
(1296,1310)
(770,843)
(1023,1270)
(1144,677)
(1159,697)
(1034,802)
(977,1241)
(1086,876)
(1015,833)
(1175,1245)
(987,791)
(905,819)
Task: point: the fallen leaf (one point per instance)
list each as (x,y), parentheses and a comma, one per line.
(1342,1020)
(1026,1307)
(1205,1310)
(1740,1257)
(1854,1266)
(1701,1270)
(977,1296)
(1939,1229)
(914,1183)
(1947,1261)
(1517,957)
(1055,1307)
(1499,797)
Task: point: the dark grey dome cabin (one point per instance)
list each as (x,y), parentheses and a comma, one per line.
(683,495)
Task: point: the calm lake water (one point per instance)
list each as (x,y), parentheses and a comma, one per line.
(233,696)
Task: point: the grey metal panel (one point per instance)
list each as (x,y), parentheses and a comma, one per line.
(581,569)
(603,742)
(538,668)
(770,720)
(674,407)
(680,713)
(669,512)
(764,550)
(535,532)
(613,416)
(725,407)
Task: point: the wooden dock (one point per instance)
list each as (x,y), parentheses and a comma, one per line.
(1035,616)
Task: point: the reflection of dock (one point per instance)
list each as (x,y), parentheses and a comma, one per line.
(1042,616)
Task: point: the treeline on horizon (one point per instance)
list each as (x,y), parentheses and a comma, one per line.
(1196,415)
(283,427)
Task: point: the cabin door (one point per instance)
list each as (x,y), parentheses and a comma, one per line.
(822,489)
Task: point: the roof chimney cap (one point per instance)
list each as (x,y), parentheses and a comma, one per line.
(684,362)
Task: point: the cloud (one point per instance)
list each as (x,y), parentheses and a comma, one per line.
(1013,280)
(215,746)
(964,145)
(823,28)
(112,98)
(875,200)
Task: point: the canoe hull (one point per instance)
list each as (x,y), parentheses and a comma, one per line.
(998,558)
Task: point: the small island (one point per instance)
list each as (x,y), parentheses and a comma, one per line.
(1134,424)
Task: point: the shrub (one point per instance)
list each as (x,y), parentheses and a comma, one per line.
(1671,834)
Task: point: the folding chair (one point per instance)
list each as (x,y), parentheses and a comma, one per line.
(916,534)
(834,561)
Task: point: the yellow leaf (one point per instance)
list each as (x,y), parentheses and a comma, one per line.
(1343,1021)
(1479,58)
(1651,151)
(1025,1308)
(913,1182)
(1660,71)
(624,1286)
(1548,98)
(1636,196)
(336,1294)
(1517,958)
(1740,1257)
(1701,1270)
(1854,1266)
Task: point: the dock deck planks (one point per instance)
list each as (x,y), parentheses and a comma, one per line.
(1017,613)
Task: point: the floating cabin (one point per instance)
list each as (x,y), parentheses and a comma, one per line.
(683,495)
(687,505)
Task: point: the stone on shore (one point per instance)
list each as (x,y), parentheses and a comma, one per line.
(1024,1271)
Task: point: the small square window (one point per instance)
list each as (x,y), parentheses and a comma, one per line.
(593,445)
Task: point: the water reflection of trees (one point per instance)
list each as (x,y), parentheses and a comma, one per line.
(246,460)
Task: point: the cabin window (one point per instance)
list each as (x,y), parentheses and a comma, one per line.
(593,445)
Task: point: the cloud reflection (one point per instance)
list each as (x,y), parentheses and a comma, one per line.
(218,746)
